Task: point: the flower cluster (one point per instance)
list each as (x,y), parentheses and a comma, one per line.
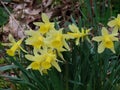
(48,43)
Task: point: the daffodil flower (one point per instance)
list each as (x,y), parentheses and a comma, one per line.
(43,61)
(36,61)
(46,25)
(16,46)
(35,39)
(106,40)
(115,23)
(50,58)
(57,40)
(76,34)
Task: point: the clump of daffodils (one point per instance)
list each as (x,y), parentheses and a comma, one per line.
(48,43)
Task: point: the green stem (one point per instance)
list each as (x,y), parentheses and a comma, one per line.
(66,76)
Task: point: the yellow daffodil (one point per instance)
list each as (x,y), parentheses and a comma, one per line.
(106,40)
(56,40)
(43,62)
(36,61)
(50,59)
(84,34)
(46,25)
(115,23)
(76,34)
(11,39)
(16,46)
(35,39)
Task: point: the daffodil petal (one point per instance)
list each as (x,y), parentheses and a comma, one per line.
(114,38)
(101,47)
(45,18)
(23,49)
(66,45)
(16,46)
(97,38)
(55,64)
(11,39)
(115,29)
(61,56)
(118,16)
(38,23)
(30,57)
(104,31)
(111,23)
(32,33)
(112,49)
(73,28)
(77,41)
(29,67)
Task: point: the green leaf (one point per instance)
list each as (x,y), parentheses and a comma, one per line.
(7,67)
(3,16)
(7,0)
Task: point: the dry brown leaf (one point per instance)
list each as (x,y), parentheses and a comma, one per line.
(14,27)
(31,12)
(47,3)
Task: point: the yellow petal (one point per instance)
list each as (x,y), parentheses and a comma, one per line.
(114,38)
(23,49)
(32,33)
(97,38)
(66,45)
(77,41)
(111,23)
(115,31)
(30,57)
(11,39)
(19,42)
(112,49)
(35,50)
(38,23)
(73,28)
(61,56)
(118,16)
(68,36)
(104,31)
(12,50)
(101,47)
(45,18)
(55,64)
(45,28)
